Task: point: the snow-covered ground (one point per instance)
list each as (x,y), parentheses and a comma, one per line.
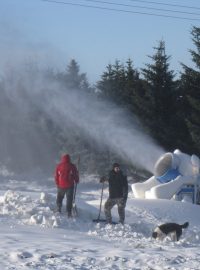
(32,236)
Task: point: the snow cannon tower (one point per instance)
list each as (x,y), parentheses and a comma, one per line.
(176,175)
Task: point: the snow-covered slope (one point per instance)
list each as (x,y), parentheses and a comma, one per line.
(32,236)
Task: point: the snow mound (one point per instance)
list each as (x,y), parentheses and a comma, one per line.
(29,211)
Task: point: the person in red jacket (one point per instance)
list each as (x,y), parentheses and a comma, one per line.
(66,175)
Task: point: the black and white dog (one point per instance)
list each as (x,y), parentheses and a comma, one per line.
(173,230)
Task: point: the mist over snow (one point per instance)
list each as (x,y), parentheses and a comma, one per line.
(28,94)
(18,48)
(32,104)
(107,125)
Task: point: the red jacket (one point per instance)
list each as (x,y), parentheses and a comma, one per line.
(66,174)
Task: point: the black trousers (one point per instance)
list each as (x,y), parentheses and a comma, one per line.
(61,192)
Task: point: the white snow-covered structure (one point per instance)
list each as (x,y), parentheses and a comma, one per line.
(176,175)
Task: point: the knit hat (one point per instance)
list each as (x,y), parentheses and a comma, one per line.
(116,165)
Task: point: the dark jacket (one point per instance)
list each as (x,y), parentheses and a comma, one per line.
(118,185)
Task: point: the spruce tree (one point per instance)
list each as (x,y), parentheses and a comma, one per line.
(73,79)
(119,84)
(190,86)
(134,90)
(111,85)
(161,95)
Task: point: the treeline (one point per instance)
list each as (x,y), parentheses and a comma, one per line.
(167,107)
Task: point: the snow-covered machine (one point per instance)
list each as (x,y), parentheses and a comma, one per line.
(176,175)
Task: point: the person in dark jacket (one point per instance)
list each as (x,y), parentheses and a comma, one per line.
(66,175)
(118,193)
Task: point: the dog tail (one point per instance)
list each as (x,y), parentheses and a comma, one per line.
(185,225)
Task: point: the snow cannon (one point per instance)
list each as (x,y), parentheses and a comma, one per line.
(176,175)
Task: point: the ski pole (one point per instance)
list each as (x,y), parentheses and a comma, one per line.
(74,208)
(74,195)
(98,218)
(75,188)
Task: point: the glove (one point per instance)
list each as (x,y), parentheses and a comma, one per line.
(103,179)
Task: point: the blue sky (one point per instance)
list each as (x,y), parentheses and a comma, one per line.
(55,33)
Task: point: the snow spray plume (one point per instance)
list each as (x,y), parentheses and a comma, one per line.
(102,121)
(108,125)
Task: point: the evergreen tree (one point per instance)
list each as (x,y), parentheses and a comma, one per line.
(73,79)
(161,95)
(104,86)
(190,86)
(119,84)
(134,90)
(111,85)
